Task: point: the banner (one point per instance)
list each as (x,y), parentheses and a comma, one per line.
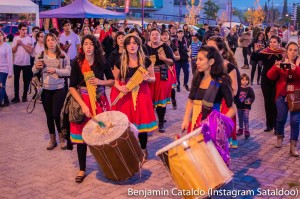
(127,5)
(54,23)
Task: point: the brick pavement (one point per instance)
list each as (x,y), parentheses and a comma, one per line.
(28,170)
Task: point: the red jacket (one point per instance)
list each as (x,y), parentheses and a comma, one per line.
(104,34)
(281,76)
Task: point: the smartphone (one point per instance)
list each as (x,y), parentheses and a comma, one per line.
(285,66)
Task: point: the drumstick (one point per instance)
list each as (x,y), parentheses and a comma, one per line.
(101,124)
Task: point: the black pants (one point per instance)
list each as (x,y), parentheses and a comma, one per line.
(27,75)
(245,55)
(233,50)
(161,111)
(53,101)
(173,94)
(81,153)
(253,70)
(269,91)
(143,137)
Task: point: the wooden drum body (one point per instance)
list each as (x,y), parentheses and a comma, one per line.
(115,147)
(194,164)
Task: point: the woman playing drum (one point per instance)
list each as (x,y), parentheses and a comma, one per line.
(137,103)
(209,86)
(90,59)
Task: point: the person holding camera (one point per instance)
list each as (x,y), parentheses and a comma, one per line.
(255,46)
(287,74)
(53,64)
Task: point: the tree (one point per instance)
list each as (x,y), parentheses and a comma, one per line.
(211,9)
(194,11)
(285,9)
(255,16)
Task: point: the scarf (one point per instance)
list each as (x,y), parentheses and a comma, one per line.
(269,51)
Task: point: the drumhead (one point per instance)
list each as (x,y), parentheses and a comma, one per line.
(179,141)
(116,124)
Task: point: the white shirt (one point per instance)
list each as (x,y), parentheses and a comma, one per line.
(38,49)
(6,61)
(286,36)
(21,56)
(74,40)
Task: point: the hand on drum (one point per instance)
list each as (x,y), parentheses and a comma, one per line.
(86,110)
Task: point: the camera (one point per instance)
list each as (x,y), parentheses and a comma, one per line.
(285,66)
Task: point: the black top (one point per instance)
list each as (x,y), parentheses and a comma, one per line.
(224,91)
(113,58)
(231,67)
(254,53)
(77,78)
(153,51)
(248,95)
(183,49)
(173,47)
(108,46)
(268,61)
(232,40)
(131,70)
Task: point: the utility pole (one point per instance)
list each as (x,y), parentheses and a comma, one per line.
(180,10)
(143,13)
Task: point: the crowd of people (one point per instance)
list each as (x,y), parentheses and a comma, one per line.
(115,54)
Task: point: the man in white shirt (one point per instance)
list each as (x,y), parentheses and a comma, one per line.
(286,36)
(22,48)
(70,40)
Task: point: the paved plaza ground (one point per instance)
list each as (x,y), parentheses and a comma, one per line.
(28,170)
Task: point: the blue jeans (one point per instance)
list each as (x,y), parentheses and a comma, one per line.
(243,115)
(282,114)
(3,95)
(186,72)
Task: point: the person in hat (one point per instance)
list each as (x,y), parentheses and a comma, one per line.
(137,102)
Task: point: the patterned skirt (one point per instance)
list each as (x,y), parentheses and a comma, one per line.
(76,129)
(141,112)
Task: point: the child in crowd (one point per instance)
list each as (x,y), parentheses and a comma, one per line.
(246,98)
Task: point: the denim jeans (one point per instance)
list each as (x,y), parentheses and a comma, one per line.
(186,72)
(243,115)
(3,95)
(282,114)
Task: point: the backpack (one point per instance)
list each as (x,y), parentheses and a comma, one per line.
(36,85)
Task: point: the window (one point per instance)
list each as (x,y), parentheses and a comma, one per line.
(14,30)
(6,30)
(177,2)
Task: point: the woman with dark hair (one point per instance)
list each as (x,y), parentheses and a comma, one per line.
(90,59)
(154,25)
(119,47)
(187,33)
(166,38)
(288,79)
(6,68)
(269,56)
(138,101)
(257,44)
(210,86)
(53,64)
(162,57)
(234,74)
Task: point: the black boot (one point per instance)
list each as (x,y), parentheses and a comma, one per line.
(161,128)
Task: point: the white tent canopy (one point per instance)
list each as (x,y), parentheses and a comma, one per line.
(20,6)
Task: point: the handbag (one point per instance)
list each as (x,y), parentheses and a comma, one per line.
(74,110)
(293,101)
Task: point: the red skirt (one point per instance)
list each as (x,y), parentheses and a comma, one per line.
(161,90)
(233,140)
(76,129)
(143,116)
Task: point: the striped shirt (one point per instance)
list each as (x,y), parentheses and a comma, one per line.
(195,48)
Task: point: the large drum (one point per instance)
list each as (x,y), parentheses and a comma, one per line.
(113,144)
(195,165)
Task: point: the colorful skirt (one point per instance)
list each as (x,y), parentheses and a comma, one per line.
(76,129)
(141,114)
(161,90)
(233,141)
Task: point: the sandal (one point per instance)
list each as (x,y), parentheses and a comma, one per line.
(79,179)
